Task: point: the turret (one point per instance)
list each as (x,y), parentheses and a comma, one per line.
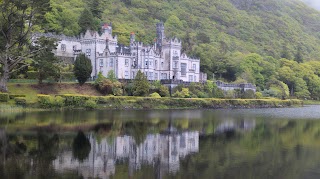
(160,35)
(132,37)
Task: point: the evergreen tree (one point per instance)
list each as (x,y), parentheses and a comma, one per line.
(87,21)
(140,85)
(45,62)
(82,69)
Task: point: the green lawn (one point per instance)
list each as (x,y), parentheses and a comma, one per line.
(31,89)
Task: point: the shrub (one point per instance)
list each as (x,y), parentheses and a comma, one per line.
(259,95)
(75,100)
(67,76)
(20,101)
(90,104)
(12,96)
(230,94)
(4,97)
(155,95)
(45,101)
(59,102)
(248,94)
(184,93)
(164,91)
(108,85)
(32,75)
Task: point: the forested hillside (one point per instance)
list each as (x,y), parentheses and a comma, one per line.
(237,40)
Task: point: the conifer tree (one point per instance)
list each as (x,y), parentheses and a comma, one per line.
(141,85)
(82,68)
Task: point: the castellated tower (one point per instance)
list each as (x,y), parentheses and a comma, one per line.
(160,35)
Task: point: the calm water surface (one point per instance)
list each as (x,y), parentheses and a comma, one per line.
(245,143)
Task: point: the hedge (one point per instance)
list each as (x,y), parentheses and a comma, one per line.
(4,97)
(20,101)
(12,96)
(45,101)
(124,102)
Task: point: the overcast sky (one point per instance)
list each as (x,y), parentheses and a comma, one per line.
(314,3)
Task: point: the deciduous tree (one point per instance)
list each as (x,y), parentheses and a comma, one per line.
(16,22)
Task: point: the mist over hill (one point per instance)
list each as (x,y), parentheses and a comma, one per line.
(313,3)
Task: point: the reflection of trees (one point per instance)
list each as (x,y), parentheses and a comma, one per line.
(138,130)
(45,152)
(81,146)
(273,149)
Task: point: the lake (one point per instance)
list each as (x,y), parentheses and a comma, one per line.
(240,143)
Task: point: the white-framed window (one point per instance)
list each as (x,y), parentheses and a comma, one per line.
(74,47)
(183,69)
(126,74)
(111,62)
(101,62)
(194,67)
(195,78)
(88,52)
(191,78)
(63,47)
(163,76)
(155,63)
(155,76)
(151,75)
(175,65)
(162,64)
(126,62)
(133,75)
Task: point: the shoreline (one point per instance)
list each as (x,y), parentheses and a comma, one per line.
(80,102)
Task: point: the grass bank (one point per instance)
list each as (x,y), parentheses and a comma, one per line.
(129,102)
(72,96)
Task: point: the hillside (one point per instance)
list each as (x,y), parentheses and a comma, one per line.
(259,26)
(236,40)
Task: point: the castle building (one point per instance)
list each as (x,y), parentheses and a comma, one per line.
(163,60)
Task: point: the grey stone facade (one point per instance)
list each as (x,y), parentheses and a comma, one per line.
(162,60)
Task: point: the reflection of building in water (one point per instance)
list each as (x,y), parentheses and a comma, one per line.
(232,125)
(159,150)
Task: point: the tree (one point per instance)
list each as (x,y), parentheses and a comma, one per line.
(298,56)
(82,68)
(285,52)
(112,76)
(45,62)
(88,22)
(140,85)
(81,146)
(18,19)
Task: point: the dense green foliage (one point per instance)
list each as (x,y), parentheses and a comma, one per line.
(4,97)
(45,62)
(141,85)
(156,102)
(82,68)
(108,85)
(237,40)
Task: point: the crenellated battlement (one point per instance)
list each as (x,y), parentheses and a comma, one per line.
(56,36)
